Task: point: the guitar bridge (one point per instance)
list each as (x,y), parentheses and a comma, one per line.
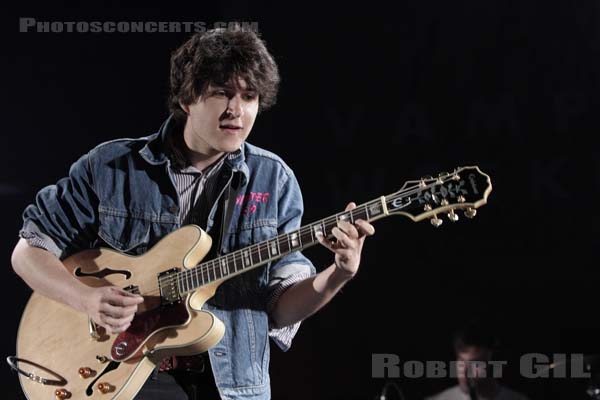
(169,289)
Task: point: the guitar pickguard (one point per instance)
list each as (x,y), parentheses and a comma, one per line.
(146,324)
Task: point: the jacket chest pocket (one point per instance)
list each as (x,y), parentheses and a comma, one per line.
(123,231)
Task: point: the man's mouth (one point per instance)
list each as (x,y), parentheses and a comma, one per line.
(229,128)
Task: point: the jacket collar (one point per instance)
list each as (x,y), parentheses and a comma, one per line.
(156,151)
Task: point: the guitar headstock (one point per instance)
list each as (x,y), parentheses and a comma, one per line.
(466,188)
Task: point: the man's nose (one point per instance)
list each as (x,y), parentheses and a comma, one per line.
(235,106)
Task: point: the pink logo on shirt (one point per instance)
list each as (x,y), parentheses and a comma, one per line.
(251,201)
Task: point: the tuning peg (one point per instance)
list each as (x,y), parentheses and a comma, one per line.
(452,216)
(470,212)
(435,221)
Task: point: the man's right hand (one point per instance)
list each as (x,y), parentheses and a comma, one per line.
(112,307)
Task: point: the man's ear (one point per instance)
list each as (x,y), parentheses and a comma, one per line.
(185,108)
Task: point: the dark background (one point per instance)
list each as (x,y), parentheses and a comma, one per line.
(371,96)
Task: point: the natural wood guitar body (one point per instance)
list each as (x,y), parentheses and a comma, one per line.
(54,340)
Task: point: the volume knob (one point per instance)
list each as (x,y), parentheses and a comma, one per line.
(105,387)
(62,394)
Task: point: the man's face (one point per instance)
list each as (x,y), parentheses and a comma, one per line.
(472,353)
(221,119)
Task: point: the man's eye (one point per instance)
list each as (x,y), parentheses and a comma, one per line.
(220,93)
(250,96)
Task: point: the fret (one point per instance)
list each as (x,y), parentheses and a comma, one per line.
(180,284)
(190,278)
(227,265)
(205,278)
(361,213)
(257,247)
(217,269)
(307,235)
(235,268)
(265,251)
(199,269)
(367,213)
(194,278)
(188,282)
(318,229)
(343,217)
(287,245)
(324,228)
(375,209)
(247,261)
(278,245)
(223,266)
(352,216)
(185,283)
(213,268)
(295,240)
(273,248)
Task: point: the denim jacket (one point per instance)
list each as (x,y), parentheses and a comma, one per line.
(122,194)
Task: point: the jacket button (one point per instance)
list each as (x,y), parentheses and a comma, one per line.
(173,209)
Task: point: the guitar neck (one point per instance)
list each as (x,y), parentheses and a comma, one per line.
(256,255)
(465,188)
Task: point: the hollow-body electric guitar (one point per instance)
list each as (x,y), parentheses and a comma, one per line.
(62,354)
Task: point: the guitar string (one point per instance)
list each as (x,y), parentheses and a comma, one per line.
(213,266)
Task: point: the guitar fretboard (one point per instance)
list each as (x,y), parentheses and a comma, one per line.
(253,256)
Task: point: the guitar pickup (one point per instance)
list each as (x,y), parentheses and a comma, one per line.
(169,287)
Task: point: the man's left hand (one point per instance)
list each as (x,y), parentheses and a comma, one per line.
(348,242)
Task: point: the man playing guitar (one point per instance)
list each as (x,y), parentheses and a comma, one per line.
(198,169)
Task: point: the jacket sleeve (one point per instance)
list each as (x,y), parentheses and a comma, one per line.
(65,215)
(290,210)
(292,268)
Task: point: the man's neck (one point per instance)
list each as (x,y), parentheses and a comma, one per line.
(199,160)
(196,152)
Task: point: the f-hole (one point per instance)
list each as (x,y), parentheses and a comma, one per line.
(110,367)
(102,273)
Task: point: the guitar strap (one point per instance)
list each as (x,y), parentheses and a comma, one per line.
(233,186)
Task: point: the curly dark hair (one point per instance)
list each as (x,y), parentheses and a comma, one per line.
(221,56)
